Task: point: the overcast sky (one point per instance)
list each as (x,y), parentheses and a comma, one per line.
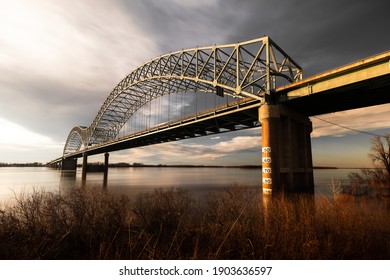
(59,60)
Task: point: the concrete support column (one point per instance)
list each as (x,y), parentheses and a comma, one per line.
(69,164)
(84,167)
(269,116)
(286,150)
(106,155)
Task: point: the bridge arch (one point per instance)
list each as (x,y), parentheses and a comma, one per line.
(249,69)
(77,139)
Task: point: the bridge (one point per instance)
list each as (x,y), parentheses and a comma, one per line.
(255,83)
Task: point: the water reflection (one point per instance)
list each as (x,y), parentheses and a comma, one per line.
(67,181)
(132,181)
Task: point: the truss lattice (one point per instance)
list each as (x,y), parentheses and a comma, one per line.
(249,69)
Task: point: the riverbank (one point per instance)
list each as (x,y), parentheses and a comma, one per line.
(235,223)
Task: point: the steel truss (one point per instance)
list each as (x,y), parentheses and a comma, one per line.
(249,69)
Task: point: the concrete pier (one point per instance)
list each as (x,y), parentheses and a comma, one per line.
(105,176)
(84,167)
(69,164)
(286,150)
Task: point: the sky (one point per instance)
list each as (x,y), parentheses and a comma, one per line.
(60,59)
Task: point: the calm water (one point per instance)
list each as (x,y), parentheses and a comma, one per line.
(132,181)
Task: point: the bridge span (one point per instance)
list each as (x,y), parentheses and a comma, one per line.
(269,91)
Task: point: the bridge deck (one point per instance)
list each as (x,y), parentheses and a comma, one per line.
(238,115)
(356,85)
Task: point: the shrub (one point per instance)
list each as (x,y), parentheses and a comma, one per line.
(48,225)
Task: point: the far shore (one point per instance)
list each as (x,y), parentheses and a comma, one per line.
(96,165)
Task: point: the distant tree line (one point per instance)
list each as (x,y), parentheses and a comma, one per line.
(30,164)
(140,164)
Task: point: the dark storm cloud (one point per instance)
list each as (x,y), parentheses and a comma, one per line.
(318,34)
(176,25)
(52,110)
(49,107)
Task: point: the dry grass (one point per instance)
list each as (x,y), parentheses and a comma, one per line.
(169,224)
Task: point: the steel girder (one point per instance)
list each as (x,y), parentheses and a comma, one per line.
(249,69)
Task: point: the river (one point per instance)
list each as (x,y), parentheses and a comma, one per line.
(133,180)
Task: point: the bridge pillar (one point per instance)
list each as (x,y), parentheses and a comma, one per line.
(106,155)
(69,164)
(84,168)
(287,164)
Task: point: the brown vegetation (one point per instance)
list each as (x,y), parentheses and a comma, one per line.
(169,224)
(376,180)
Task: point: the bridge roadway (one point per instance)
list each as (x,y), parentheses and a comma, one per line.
(360,84)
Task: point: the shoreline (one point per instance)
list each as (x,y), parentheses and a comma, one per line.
(97,165)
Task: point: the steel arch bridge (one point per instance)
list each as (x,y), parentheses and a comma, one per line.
(251,69)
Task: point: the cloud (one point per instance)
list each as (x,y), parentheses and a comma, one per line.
(347,122)
(239,143)
(179,24)
(185,153)
(20,144)
(318,34)
(68,41)
(13,134)
(63,58)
